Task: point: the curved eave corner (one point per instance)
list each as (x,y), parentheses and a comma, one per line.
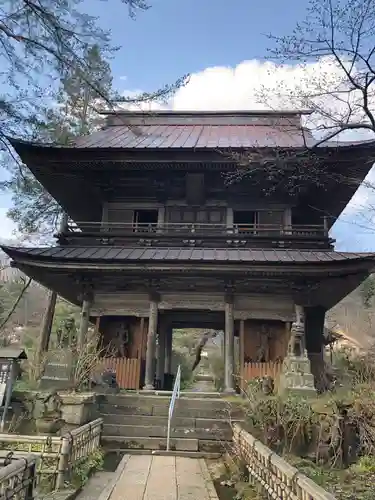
(267,257)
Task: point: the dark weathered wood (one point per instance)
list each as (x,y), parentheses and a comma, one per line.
(85,320)
(45,332)
(229,346)
(49,313)
(151,344)
(242,352)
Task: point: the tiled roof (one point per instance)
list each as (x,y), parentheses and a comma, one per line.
(119,254)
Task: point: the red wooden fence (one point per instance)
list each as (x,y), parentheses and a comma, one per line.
(127,371)
(269,369)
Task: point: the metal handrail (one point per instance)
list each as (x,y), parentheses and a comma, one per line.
(175,395)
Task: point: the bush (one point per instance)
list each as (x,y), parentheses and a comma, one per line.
(185,361)
(217,370)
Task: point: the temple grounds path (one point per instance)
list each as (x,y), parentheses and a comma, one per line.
(152,477)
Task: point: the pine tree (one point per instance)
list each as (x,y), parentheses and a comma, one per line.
(34,210)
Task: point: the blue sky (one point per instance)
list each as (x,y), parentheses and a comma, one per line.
(175,37)
(223,45)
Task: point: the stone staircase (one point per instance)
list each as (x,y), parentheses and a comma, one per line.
(138,422)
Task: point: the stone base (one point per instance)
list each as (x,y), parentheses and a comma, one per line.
(148,387)
(296,377)
(77,409)
(229,392)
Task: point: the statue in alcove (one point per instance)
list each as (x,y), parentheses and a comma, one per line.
(262,355)
(121,340)
(67,333)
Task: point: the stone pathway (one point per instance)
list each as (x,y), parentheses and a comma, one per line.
(95,485)
(203,383)
(148,477)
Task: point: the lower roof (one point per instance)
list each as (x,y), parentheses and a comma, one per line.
(118,254)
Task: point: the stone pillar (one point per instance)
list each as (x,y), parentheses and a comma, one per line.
(296,374)
(151,344)
(229,346)
(85,319)
(161,356)
(168,350)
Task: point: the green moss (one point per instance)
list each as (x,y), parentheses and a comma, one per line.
(84,468)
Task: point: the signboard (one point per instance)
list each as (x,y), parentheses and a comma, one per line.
(4,376)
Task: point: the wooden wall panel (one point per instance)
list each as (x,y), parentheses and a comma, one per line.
(278,339)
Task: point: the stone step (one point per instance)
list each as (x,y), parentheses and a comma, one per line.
(203,423)
(148,443)
(160,411)
(192,400)
(145,431)
(184,394)
(165,453)
(205,376)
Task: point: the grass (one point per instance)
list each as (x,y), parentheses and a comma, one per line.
(356,482)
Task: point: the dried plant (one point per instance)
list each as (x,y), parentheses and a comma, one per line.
(86,360)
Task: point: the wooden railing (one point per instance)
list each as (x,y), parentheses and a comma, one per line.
(259,370)
(176,230)
(56,456)
(17,478)
(127,370)
(273,475)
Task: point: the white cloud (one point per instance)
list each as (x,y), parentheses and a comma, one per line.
(257,85)
(7,226)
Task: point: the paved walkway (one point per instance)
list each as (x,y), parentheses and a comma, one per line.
(148,477)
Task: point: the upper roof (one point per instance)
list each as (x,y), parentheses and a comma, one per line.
(136,141)
(195,130)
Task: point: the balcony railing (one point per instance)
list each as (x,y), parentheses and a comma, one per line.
(185,233)
(98,229)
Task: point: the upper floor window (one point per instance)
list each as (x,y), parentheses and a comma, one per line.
(245,220)
(191,215)
(144,218)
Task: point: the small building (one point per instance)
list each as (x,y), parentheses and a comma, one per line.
(157,238)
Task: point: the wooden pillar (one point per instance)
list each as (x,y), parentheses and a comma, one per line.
(151,343)
(45,332)
(64,223)
(242,352)
(161,355)
(85,318)
(229,218)
(161,216)
(49,313)
(229,346)
(168,350)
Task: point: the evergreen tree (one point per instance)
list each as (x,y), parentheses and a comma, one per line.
(34,210)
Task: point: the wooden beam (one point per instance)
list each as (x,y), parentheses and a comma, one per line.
(151,344)
(229,346)
(242,353)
